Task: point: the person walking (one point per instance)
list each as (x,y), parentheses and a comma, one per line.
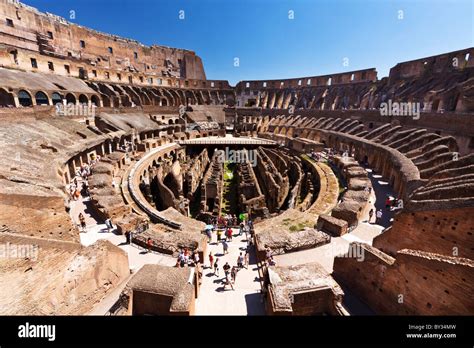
(219,235)
(197,260)
(226,269)
(227,281)
(216,267)
(109,225)
(209,235)
(149,243)
(229,234)
(211,260)
(82,222)
(371,213)
(240,261)
(379,215)
(247,259)
(233,273)
(225,246)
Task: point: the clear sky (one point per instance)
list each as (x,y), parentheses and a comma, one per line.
(321,37)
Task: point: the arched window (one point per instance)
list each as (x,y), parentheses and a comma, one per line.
(56,98)
(6,99)
(70,98)
(95,100)
(41,98)
(83,99)
(24,98)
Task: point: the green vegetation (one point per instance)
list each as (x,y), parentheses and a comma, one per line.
(229,204)
(300,226)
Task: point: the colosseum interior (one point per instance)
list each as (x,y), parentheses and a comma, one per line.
(124,167)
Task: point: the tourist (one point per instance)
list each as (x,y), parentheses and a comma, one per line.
(240,261)
(109,225)
(229,234)
(388,202)
(379,216)
(209,235)
(226,269)
(149,243)
(216,267)
(85,189)
(233,273)
(211,260)
(247,259)
(225,247)
(68,205)
(241,228)
(371,213)
(219,235)
(228,282)
(82,221)
(77,194)
(196,259)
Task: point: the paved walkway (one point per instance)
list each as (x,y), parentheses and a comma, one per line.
(245,299)
(96,230)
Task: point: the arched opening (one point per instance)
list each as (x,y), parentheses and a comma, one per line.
(24,98)
(70,98)
(83,99)
(95,100)
(41,98)
(6,99)
(170,121)
(56,98)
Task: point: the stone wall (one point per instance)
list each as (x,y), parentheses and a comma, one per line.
(415,283)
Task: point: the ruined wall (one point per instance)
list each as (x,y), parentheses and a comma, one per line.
(439,84)
(52,36)
(444,231)
(415,283)
(195,171)
(274,183)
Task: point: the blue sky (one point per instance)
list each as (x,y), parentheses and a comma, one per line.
(269,45)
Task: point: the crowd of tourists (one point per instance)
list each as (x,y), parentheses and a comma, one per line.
(79,187)
(224,233)
(187,258)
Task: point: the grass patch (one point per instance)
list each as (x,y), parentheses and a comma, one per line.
(300,226)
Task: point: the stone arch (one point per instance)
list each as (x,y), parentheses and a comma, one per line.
(56,98)
(41,98)
(24,98)
(95,100)
(83,99)
(70,98)
(6,98)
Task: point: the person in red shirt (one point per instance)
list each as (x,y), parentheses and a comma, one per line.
(149,244)
(229,234)
(211,260)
